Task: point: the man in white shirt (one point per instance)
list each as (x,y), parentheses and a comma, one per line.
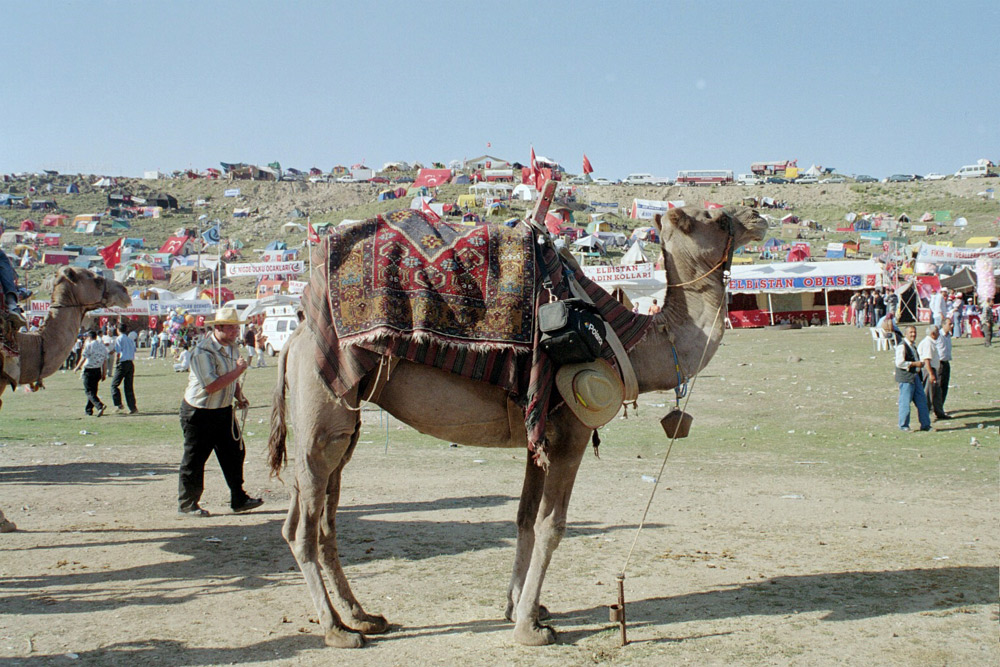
(911,388)
(937,306)
(92,360)
(932,368)
(943,344)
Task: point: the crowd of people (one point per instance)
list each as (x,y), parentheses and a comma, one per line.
(923,370)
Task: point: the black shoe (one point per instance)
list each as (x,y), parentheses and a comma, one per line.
(248,504)
(134,412)
(196,512)
(100,410)
(944,416)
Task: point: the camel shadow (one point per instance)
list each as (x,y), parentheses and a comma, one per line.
(843,596)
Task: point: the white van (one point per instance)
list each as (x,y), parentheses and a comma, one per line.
(749,179)
(972,171)
(640,179)
(279,324)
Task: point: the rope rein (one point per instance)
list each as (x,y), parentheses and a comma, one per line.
(670,447)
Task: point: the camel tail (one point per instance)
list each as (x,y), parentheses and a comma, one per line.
(277,453)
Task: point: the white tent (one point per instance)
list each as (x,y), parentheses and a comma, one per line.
(290,227)
(524,192)
(635,254)
(814,170)
(589,242)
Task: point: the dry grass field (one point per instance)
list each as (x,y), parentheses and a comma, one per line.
(796,525)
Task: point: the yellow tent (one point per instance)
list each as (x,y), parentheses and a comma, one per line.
(466,201)
(981,242)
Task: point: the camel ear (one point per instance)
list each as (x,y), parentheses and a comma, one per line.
(70,273)
(681,220)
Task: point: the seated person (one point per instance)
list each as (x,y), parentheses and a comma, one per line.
(8,279)
(183,359)
(887,327)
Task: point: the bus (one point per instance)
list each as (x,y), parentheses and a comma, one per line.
(705,177)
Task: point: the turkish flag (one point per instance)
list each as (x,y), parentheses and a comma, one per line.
(312,235)
(199,321)
(112,254)
(153,321)
(425,206)
(712,205)
(587,167)
(103,321)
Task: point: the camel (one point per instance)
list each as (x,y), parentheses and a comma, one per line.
(696,245)
(74,293)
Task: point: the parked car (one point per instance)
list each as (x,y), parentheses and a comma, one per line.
(834,179)
(379,179)
(777,179)
(865,178)
(903,178)
(972,171)
(934,176)
(319,179)
(579,180)
(749,179)
(602,181)
(806,180)
(403,179)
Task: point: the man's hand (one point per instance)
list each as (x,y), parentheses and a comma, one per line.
(241,364)
(242,403)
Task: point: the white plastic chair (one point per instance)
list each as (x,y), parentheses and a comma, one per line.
(879,341)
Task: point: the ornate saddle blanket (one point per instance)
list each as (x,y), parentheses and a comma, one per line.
(448,296)
(402,275)
(10,361)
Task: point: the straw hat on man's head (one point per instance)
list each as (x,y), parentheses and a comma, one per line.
(593,391)
(226,316)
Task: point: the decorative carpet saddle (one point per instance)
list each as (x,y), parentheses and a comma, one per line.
(451,296)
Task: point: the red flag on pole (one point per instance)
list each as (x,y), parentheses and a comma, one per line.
(112,254)
(425,206)
(535,172)
(587,168)
(311,234)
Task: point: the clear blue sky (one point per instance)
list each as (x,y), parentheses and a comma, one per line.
(866,87)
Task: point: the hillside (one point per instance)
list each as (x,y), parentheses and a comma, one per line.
(332,202)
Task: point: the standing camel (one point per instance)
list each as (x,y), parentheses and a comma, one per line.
(75,293)
(696,245)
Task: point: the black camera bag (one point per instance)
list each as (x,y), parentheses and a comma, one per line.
(572,331)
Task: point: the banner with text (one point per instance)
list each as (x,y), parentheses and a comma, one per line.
(617,274)
(803,283)
(934,254)
(265,268)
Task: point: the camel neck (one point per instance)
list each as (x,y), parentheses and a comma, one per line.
(690,321)
(45,350)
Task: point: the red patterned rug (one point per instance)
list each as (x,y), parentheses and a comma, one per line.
(401,274)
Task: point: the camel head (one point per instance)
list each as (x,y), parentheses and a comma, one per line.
(80,287)
(701,236)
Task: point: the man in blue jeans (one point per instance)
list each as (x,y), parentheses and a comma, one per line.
(911,387)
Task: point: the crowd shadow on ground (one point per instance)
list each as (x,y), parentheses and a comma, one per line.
(245,552)
(84,472)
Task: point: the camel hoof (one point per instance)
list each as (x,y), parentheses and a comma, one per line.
(534,635)
(369,624)
(511,613)
(344,639)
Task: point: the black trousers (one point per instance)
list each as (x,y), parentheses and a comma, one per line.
(207,431)
(124,373)
(92,378)
(944,375)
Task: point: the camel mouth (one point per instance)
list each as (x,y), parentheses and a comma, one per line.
(118,298)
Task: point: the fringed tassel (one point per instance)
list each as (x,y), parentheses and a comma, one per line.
(538,454)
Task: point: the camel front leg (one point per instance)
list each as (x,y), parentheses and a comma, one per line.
(355,616)
(527,510)
(550,526)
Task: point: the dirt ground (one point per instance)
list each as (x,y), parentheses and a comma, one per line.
(762,562)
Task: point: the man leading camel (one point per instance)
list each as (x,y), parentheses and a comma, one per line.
(207,418)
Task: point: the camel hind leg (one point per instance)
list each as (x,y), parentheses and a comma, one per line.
(325,431)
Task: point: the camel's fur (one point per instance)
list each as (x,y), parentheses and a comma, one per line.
(74,294)
(452,408)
